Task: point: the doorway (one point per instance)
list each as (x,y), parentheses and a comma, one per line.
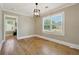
(10,27)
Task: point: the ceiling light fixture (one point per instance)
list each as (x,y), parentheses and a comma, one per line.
(36,11)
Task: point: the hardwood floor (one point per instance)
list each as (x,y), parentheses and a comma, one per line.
(36,46)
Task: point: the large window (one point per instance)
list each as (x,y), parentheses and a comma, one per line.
(54,23)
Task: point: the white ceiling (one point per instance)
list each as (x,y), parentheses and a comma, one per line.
(27,8)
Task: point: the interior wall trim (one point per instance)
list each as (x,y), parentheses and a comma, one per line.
(29,36)
(71,45)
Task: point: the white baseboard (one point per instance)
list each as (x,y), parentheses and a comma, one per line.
(26,37)
(71,45)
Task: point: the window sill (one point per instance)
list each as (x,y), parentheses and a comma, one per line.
(54,33)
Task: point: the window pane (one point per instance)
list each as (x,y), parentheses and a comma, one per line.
(57,23)
(54,23)
(47,23)
(47,27)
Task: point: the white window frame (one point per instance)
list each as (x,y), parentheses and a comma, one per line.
(43,25)
(63,24)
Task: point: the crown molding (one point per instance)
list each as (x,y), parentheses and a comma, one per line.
(56,9)
(43,14)
(17,13)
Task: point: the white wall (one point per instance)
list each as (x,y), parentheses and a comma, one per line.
(25,26)
(28,26)
(71,34)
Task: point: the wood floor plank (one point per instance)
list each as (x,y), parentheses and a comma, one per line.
(36,46)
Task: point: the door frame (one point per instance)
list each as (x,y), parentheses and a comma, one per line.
(8,15)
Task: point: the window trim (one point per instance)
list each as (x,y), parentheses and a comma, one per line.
(50,31)
(43,24)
